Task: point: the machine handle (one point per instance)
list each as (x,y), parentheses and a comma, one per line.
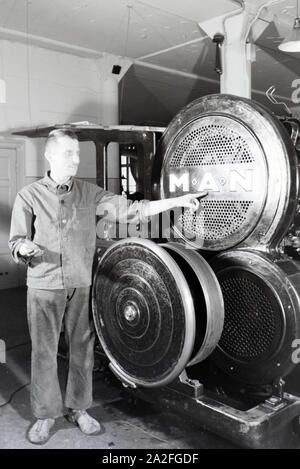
(218,39)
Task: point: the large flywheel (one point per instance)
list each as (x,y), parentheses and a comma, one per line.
(152,315)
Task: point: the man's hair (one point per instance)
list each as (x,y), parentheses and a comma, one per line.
(56,134)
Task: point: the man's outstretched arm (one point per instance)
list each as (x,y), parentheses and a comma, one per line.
(187,201)
(118,208)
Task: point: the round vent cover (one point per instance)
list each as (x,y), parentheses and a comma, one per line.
(254,323)
(261,316)
(237,152)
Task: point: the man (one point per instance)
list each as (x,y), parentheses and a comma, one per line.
(53,231)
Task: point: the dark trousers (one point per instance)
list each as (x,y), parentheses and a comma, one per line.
(46,310)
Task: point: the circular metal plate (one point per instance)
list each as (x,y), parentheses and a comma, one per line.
(207,298)
(261,317)
(143,312)
(241,155)
(219,155)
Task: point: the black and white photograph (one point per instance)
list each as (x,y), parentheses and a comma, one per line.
(149,228)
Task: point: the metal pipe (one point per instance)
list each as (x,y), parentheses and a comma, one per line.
(265,5)
(235,13)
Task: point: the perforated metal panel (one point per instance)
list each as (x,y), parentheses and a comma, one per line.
(238,153)
(218,219)
(261,315)
(253,318)
(212,145)
(221,156)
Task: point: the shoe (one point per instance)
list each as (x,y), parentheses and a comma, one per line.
(39,433)
(87,424)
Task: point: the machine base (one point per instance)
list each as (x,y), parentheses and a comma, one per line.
(270,425)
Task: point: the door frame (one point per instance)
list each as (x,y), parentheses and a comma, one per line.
(19,146)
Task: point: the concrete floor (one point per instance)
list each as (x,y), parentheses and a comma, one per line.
(126,425)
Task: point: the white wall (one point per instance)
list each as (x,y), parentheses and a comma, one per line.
(44,87)
(47,87)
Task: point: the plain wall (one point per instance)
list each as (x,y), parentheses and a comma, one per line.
(47,87)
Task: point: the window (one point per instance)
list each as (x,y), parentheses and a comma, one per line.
(128,182)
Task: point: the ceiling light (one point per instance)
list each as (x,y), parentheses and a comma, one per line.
(292,42)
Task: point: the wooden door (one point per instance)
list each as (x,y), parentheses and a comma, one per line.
(11,275)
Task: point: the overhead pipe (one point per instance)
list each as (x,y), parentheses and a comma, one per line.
(237,49)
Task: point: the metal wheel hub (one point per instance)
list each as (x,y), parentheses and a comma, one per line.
(131,312)
(148,319)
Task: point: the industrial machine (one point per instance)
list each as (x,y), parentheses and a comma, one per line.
(206,319)
(161,319)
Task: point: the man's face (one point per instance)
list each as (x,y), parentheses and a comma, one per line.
(63,156)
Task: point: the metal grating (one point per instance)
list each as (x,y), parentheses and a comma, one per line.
(217,220)
(212,145)
(251,319)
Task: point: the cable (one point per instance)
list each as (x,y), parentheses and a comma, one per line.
(17,346)
(21,387)
(13,395)
(257,15)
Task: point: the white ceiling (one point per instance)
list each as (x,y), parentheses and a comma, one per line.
(123,27)
(161,33)
(132,27)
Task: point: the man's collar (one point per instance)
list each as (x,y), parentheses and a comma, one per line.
(50,183)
